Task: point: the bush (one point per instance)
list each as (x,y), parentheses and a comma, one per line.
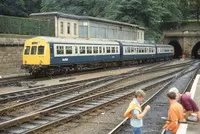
(26,26)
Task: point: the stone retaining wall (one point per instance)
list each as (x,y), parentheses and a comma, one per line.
(11,56)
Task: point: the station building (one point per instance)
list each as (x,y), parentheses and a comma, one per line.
(73,26)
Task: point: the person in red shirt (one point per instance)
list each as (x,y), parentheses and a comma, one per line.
(175,114)
(187,102)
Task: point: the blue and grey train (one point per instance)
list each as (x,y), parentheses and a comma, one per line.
(47,54)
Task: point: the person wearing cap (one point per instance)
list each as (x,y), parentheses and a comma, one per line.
(187,102)
(135,113)
(175,114)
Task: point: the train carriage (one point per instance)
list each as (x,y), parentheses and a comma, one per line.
(41,53)
(164,51)
(137,51)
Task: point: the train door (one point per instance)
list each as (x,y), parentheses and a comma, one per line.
(121,50)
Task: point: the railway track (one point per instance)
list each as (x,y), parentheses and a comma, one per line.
(38,92)
(16,80)
(78,93)
(152,122)
(65,112)
(71,110)
(12,80)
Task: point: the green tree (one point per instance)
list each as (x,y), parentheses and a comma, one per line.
(195,8)
(32,6)
(12,7)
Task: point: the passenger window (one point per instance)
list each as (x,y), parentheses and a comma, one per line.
(104,50)
(132,49)
(100,49)
(76,50)
(126,49)
(68,49)
(95,50)
(60,50)
(113,49)
(107,49)
(116,49)
(129,49)
(27,50)
(33,50)
(40,50)
(89,50)
(82,50)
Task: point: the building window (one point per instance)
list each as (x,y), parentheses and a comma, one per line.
(75,28)
(33,50)
(68,28)
(61,27)
(68,49)
(60,50)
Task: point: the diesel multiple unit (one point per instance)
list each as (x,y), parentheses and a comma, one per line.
(49,55)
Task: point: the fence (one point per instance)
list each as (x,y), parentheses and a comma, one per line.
(26,26)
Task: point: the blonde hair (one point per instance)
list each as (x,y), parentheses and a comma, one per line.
(139,93)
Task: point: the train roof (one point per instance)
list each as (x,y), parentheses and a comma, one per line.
(137,44)
(163,45)
(76,41)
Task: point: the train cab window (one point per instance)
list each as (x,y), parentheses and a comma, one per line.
(60,50)
(40,50)
(100,50)
(68,49)
(82,50)
(89,50)
(27,50)
(113,49)
(33,50)
(107,49)
(95,50)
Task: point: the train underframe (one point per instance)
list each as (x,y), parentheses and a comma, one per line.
(50,70)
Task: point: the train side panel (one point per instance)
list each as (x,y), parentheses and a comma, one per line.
(138,51)
(75,57)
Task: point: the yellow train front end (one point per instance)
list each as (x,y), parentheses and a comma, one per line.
(36,55)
